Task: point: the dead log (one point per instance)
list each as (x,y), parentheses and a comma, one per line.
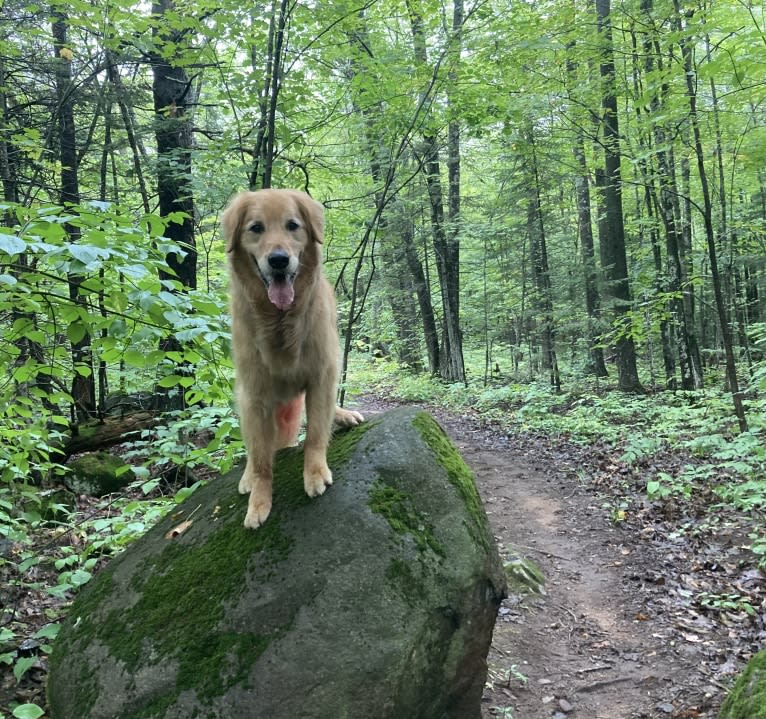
(108,431)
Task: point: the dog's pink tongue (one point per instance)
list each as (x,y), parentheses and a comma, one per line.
(281,294)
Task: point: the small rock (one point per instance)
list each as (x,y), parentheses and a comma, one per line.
(565,706)
(665,708)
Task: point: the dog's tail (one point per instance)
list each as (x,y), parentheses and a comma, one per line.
(288,417)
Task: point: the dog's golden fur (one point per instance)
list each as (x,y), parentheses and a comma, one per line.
(284,337)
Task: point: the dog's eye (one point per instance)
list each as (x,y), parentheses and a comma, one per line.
(292,225)
(257,228)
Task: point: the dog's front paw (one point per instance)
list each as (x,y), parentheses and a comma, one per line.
(316,479)
(347,417)
(246,483)
(257,512)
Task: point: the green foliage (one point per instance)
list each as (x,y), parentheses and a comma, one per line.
(197,437)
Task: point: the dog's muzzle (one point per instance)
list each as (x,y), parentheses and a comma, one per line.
(278,279)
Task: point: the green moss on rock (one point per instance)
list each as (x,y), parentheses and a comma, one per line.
(400,575)
(97,474)
(399,511)
(460,476)
(747,699)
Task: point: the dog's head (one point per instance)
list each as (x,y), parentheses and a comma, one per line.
(278,231)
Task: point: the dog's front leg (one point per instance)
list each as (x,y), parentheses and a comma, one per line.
(320,410)
(259,433)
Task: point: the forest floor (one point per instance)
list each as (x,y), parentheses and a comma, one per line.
(649,608)
(622,630)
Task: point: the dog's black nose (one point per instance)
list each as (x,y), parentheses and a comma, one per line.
(278,260)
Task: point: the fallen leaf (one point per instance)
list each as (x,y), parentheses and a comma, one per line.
(179,529)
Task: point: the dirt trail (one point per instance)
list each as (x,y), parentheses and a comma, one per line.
(596,645)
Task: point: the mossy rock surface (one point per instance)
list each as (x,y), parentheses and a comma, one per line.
(97,474)
(747,699)
(375,600)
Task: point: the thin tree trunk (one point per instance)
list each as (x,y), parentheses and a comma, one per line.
(264,149)
(138,153)
(707,216)
(446,249)
(174,99)
(590,276)
(540,269)
(83,384)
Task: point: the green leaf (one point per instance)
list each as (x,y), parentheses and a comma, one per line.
(49,631)
(76,331)
(170,380)
(28,711)
(87,254)
(22,666)
(80,577)
(11,244)
(135,358)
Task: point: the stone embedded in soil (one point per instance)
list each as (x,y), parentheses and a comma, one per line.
(376,600)
(97,474)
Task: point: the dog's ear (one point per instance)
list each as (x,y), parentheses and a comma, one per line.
(313,215)
(232,218)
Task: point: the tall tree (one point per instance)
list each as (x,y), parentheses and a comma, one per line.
(268,102)
(83,382)
(175,97)
(539,261)
(707,218)
(445,240)
(613,240)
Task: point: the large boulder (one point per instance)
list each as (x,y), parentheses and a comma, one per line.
(747,699)
(375,600)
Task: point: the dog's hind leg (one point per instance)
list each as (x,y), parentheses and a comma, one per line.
(320,409)
(347,417)
(288,417)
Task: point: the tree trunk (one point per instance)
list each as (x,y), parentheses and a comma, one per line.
(264,150)
(540,269)
(707,216)
(590,276)
(613,244)
(446,246)
(138,152)
(669,211)
(174,100)
(404,255)
(83,383)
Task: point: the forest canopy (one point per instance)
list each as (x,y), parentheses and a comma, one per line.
(515,192)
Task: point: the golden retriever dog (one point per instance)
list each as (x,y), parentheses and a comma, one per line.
(284,338)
